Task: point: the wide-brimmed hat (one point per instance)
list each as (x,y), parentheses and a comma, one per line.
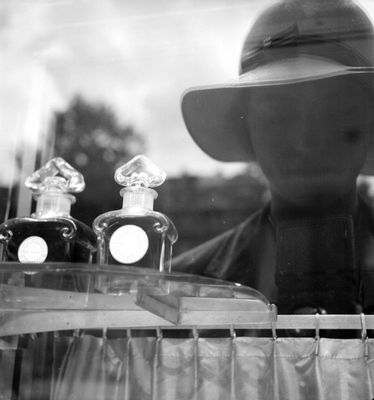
(293,41)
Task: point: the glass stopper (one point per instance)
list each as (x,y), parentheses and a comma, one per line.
(140,171)
(56,175)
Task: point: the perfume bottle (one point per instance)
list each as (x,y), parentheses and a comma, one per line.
(136,235)
(50,234)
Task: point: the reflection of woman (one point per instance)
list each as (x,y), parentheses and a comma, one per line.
(303,109)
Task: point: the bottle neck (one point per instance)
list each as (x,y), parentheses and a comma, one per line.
(138,197)
(53,205)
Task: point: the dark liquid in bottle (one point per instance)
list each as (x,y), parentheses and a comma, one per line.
(55,240)
(157,249)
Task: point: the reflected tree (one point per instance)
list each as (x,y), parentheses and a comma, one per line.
(90,137)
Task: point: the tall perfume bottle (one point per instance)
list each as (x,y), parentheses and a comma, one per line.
(50,234)
(136,235)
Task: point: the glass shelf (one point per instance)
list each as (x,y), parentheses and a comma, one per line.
(63,296)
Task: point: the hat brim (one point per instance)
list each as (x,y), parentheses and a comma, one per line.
(217,121)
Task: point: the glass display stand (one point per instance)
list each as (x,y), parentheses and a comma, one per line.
(112,296)
(121,297)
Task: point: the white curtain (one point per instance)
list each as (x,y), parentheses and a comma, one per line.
(87,366)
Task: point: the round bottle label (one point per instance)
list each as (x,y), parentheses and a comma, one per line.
(34,249)
(128,244)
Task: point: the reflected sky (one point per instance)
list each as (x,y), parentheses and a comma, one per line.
(136,56)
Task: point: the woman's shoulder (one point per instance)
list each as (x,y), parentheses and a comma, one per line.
(223,246)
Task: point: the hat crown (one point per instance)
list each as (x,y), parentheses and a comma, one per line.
(335,29)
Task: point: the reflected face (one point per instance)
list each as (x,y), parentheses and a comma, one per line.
(311,138)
